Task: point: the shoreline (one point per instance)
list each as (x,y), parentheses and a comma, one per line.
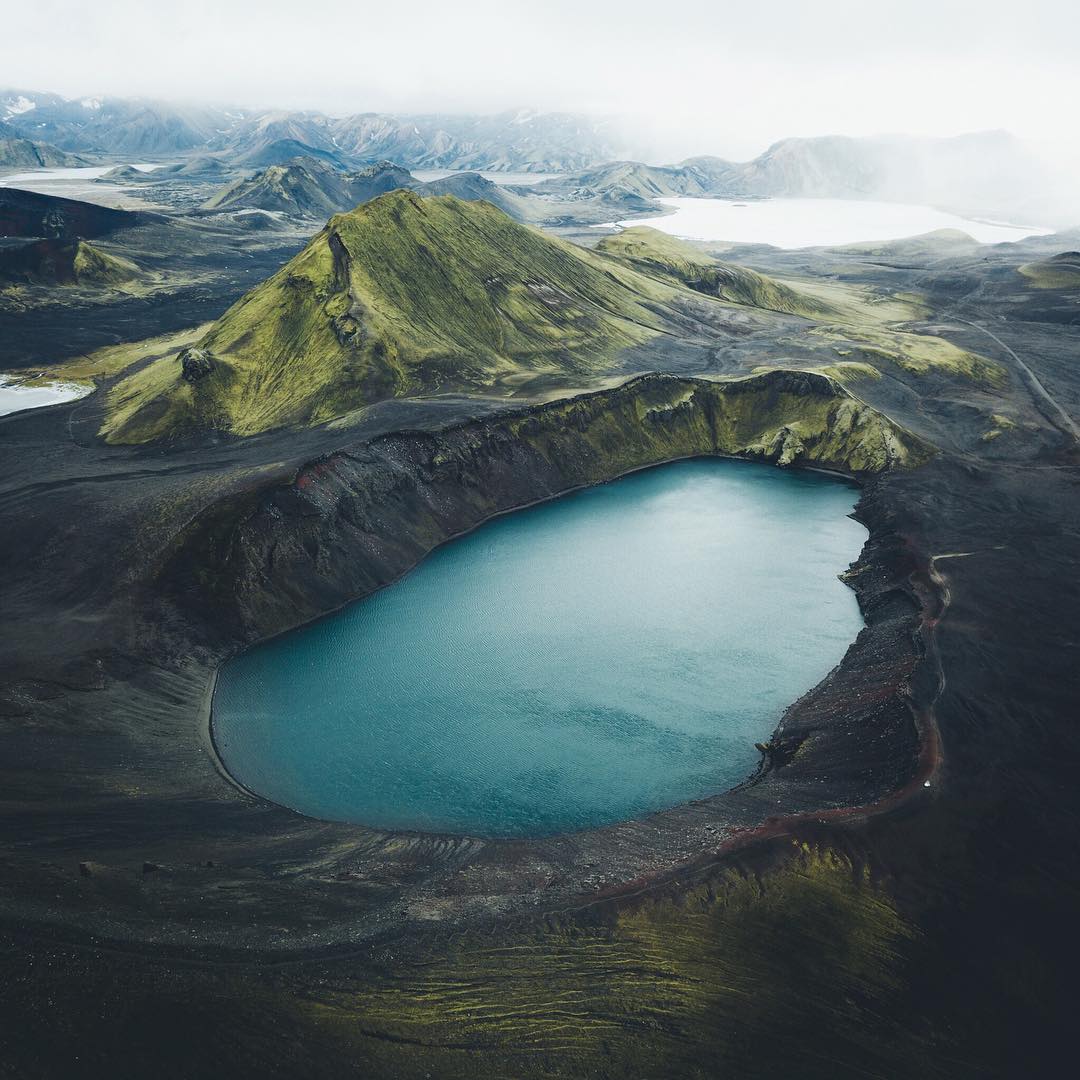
(206,721)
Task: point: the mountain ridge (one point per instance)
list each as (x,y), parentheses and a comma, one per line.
(404,295)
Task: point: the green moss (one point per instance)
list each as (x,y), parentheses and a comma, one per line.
(1001,424)
(402,295)
(657,253)
(732,974)
(85,368)
(93,266)
(843,371)
(1058,272)
(779,415)
(918,354)
(171,405)
(58,262)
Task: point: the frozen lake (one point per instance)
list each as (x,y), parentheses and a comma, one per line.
(87,172)
(15,398)
(801,223)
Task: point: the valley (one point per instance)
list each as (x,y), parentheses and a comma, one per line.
(309,367)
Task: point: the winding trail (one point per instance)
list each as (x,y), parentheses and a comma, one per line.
(1047,404)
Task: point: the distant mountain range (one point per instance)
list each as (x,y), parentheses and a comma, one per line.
(310,187)
(986,173)
(19,152)
(519,140)
(979,173)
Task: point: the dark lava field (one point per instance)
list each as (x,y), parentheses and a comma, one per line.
(893,893)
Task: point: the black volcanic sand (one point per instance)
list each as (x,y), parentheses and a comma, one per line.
(835,917)
(192,269)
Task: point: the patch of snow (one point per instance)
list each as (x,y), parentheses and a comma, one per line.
(20,105)
(90,103)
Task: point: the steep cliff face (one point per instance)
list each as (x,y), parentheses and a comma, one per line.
(357,519)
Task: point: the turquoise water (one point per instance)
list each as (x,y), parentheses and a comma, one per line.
(616,651)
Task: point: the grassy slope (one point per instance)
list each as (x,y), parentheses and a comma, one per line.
(91,265)
(917,354)
(658,253)
(781,416)
(110,359)
(64,262)
(399,296)
(855,319)
(720,982)
(1058,272)
(405,295)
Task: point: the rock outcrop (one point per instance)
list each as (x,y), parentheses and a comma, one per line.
(195,364)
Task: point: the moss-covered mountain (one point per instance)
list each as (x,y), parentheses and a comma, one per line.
(403,295)
(632,180)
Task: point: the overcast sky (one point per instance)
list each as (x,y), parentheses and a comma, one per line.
(699,76)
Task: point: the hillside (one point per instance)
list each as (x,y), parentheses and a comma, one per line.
(203,167)
(658,253)
(975,173)
(632,180)
(938,244)
(111,125)
(473,187)
(60,262)
(310,187)
(19,152)
(281,151)
(865,329)
(305,186)
(403,295)
(1061,271)
(29,214)
(374,180)
(519,140)
(981,173)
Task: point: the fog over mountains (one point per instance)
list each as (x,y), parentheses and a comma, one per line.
(985,173)
(516,140)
